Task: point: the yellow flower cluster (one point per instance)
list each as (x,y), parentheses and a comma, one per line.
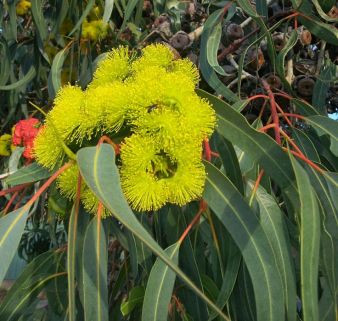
(6,146)
(22,7)
(94,30)
(149,104)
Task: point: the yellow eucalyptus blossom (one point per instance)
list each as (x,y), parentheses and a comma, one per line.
(185,67)
(151,176)
(67,111)
(22,7)
(5,145)
(115,66)
(91,203)
(104,109)
(155,55)
(48,149)
(151,103)
(94,30)
(68,180)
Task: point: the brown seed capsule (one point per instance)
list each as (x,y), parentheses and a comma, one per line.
(231,32)
(180,40)
(273,81)
(279,41)
(304,85)
(255,58)
(304,36)
(333,13)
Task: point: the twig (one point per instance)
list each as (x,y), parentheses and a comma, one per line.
(320,56)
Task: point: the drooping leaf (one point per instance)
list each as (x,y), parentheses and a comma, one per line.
(108,8)
(207,71)
(27,174)
(54,78)
(84,15)
(95,263)
(272,221)
(322,86)
(309,243)
(246,230)
(280,61)
(39,20)
(34,277)
(159,288)
(23,81)
(212,48)
(11,228)
(326,126)
(135,299)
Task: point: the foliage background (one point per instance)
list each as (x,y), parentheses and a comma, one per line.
(268,255)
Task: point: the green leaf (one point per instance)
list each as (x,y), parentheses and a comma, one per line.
(262,8)
(135,299)
(207,71)
(250,10)
(309,243)
(229,278)
(230,162)
(326,5)
(39,20)
(159,288)
(128,12)
(11,228)
(27,174)
(84,15)
(97,166)
(55,73)
(280,61)
(246,230)
(212,48)
(95,264)
(304,108)
(108,9)
(326,126)
(272,221)
(23,81)
(322,86)
(5,62)
(29,284)
(71,263)
(329,235)
(305,145)
(321,30)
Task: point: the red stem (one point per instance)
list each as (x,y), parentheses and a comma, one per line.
(110,142)
(306,160)
(10,202)
(203,206)
(207,150)
(14,189)
(47,184)
(274,113)
(258,96)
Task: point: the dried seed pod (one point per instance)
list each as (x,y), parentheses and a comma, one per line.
(333,13)
(304,36)
(279,40)
(273,80)
(180,41)
(305,66)
(162,24)
(304,85)
(231,32)
(255,58)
